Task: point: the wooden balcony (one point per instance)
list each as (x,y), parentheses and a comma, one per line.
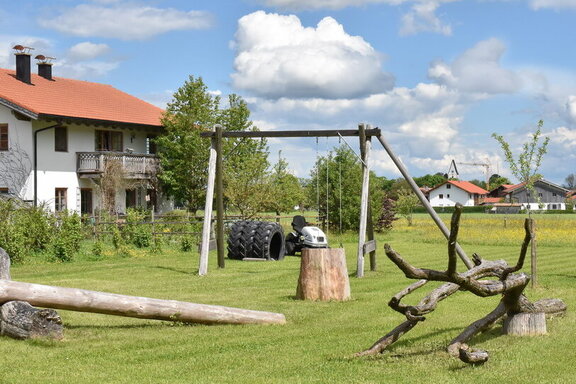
(134,166)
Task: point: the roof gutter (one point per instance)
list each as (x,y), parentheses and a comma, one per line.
(18,108)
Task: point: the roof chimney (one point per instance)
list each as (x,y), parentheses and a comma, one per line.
(45,66)
(22,63)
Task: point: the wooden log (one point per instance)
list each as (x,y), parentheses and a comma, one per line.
(525,324)
(323,275)
(140,307)
(20,320)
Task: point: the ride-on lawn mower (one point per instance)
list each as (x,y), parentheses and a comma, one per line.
(304,236)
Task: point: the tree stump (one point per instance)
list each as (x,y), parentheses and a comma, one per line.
(20,320)
(525,324)
(323,275)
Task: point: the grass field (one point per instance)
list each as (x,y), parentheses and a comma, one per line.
(317,343)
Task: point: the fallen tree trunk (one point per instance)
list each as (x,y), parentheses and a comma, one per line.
(131,306)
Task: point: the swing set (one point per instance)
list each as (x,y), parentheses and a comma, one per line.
(365,133)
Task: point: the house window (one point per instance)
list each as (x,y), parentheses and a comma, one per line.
(554,194)
(109,141)
(60,199)
(540,194)
(448,186)
(130,198)
(86,201)
(151,148)
(61,139)
(3,137)
(441,196)
(448,196)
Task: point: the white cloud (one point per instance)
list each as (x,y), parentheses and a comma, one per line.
(278,57)
(84,70)
(478,70)
(554,4)
(299,5)
(564,137)
(87,51)
(125,21)
(422,18)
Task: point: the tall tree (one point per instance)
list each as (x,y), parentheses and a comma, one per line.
(287,190)
(525,169)
(496,181)
(336,181)
(184,154)
(570,181)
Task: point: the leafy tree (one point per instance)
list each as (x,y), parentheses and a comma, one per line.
(479,183)
(287,190)
(406,203)
(430,180)
(184,154)
(525,168)
(496,181)
(570,181)
(335,191)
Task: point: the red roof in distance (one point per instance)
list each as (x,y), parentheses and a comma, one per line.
(76,99)
(465,186)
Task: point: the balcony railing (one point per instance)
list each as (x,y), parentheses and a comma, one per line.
(134,166)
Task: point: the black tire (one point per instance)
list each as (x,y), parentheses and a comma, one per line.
(268,241)
(235,239)
(290,244)
(247,241)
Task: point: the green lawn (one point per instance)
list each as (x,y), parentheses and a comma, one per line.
(317,343)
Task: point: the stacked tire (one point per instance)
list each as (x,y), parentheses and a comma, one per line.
(256,239)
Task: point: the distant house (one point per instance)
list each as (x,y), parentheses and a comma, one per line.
(451,192)
(552,196)
(499,191)
(75,129)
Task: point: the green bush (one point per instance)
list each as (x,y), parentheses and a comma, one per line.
(136,229)
(69,234)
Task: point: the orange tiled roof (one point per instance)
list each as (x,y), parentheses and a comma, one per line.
(491,200)
(465,186)
(76,99)
(468,187)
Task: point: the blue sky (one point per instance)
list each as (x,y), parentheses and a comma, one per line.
(438,77)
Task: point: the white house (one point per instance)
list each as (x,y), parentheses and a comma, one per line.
(81,128)
(451,192)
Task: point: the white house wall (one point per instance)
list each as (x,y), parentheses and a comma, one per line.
(450,196)
(58,169)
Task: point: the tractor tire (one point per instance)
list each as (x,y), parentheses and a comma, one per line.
(290,244)
(268,241)
(247,242)
(235,240)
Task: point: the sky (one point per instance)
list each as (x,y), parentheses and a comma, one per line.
(438,77)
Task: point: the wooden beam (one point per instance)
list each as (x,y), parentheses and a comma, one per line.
(81,300)
(317,133)
(205,245)
(219,198)
(439,223)
(364,141)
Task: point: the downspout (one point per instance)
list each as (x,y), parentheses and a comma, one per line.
(35,146)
